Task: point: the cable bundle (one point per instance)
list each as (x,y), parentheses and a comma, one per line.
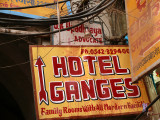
(53,21)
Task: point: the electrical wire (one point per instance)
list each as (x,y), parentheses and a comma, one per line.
(54,21)
(9,66)
(13,41)
(34,24)
(121,38)
(99,5)
(96,39)
(45,33)
(18,39)
(49,51)
(35,6)
(52,12)
(85,11)
(77,14)
(61,29)
(105,25)
(23,63)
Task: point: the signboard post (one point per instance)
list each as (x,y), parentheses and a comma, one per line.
(144,38)
(84,81)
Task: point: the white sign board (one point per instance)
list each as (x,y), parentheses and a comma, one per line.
(76,35)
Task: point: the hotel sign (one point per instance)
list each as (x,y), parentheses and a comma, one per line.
(84,81)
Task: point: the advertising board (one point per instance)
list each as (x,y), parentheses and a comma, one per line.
(84,81)
(144,38)
(76,36)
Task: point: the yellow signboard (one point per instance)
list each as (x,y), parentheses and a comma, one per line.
(84,81)
(37,12)
(144,38)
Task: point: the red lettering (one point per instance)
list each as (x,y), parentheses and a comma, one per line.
(104,93)
(76,29)
(91,64)
(117,91)
(156,8)
(90,40)
(103,65)
(81,28)
(134,88)
(100,40)
(84,39)
(42,111)
(61,26)
(94,41)
(75,38)
(80,39)
(87,39)
(56,26)
(75,66)
(56,96)
(88,89)
(118,70)
(91,30)
(95,31)
(72,89)
(65,110)
(141,5)
(60,66)
(99,31)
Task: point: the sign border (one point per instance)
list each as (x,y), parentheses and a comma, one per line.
(73,117)
(154,65)
(96,22)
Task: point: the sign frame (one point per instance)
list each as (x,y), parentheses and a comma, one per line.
(154,65)
(90,22)
(72,117)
